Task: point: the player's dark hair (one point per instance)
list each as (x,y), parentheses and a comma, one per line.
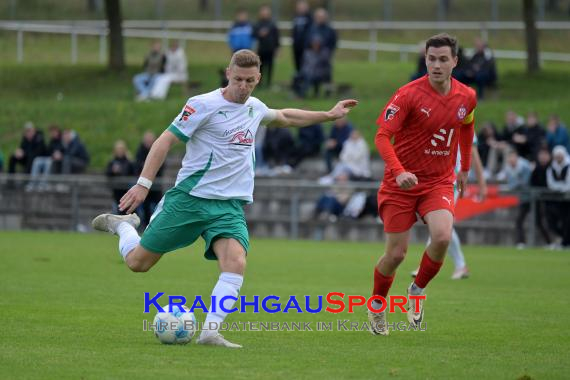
(443,39)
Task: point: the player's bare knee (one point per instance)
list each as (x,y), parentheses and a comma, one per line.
(441,239)
(396,255)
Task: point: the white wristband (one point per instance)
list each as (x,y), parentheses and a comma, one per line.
(144,182)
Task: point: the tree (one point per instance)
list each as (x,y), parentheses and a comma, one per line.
(532,62)
(116,46)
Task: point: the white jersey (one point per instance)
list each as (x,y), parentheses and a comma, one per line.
(219,136)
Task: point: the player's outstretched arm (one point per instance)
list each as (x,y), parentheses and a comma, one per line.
(156,156)
(292,117)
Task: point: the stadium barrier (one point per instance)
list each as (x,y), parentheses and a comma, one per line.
(157,29)
(283,208)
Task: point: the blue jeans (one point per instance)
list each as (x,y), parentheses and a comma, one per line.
(143,83)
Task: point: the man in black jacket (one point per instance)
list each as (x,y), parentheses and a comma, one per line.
(31,146)
(301,25)
(267,35)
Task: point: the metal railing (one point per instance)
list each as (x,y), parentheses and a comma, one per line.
(164,30)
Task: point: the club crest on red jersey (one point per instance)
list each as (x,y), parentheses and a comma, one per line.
(391,110)
(461,112)
(186,113)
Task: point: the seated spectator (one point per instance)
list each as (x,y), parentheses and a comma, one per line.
(240,35)
(175,71)
(340,132)
(277,149)
(31,146)
(556,133)
(153,66)
(120,166)
(316,69)
(535,136)
(354,160)
(482,71)
(331,204)
(517,173)
(421,66)
(41,167)
(309,142)
(155,193)
(73,158)
(558,179)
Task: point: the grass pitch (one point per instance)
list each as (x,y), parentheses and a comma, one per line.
(71,309)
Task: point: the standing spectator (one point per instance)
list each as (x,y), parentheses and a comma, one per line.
(482,68)
(175,71)
(538,181)
(31,146)
(118,168)
(316,68)
(155,193)
(517,173)
(556,133)
(267,36)
(340,132)
(41,166)
(309,142)
(487,147)
(301,25)
(322,30)
(421,69)
(153,66)
(535,136)
(558,179)
(240,35)
(73,158)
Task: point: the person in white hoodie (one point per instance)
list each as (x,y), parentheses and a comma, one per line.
(354,161)
(558,179)
(175,71)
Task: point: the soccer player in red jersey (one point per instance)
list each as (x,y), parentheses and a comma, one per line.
(428,119)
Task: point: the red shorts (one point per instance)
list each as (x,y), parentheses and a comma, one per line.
(398,211)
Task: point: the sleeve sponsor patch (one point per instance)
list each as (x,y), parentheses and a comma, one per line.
(186,112)
(391,111)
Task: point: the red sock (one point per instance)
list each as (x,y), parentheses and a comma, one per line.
(382,283)
(428,270)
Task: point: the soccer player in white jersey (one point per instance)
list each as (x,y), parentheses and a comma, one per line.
(461,271)
(215,180)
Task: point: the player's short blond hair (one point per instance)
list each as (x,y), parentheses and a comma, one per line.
(245,58)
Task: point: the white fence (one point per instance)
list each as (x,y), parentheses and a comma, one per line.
(176,29)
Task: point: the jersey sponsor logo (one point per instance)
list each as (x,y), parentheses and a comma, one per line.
(391,110)
(441,137)
(242,138)
(426,110)
(461,112)
(188,110)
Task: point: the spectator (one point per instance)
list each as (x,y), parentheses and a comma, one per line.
(153,65)
(41,167)
(316,69)
(556,133)
(175,71)
(535,136)
(155,194)
(421,67)
(482,70)
(331,204)
(517,173)
(322,30)
(267,36)
(513,135)
(277,149)
(558,180)
(1,162)
(240,36)
(301,25)
(340,132)
(309,142)
(460,71)
(354,160)
(73,158)
(120,166)
(487,147)
(31,146)
(538,181)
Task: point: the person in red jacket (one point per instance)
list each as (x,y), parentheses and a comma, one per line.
(428,119)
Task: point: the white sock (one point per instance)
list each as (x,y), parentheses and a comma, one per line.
(455,251)
(416,290)
(376,304)
(228,284)
(128,238)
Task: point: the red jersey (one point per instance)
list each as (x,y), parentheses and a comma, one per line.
(426,127)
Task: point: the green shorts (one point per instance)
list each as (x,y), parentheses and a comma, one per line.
(180,218)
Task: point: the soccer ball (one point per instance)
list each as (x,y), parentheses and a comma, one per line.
(177,327)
